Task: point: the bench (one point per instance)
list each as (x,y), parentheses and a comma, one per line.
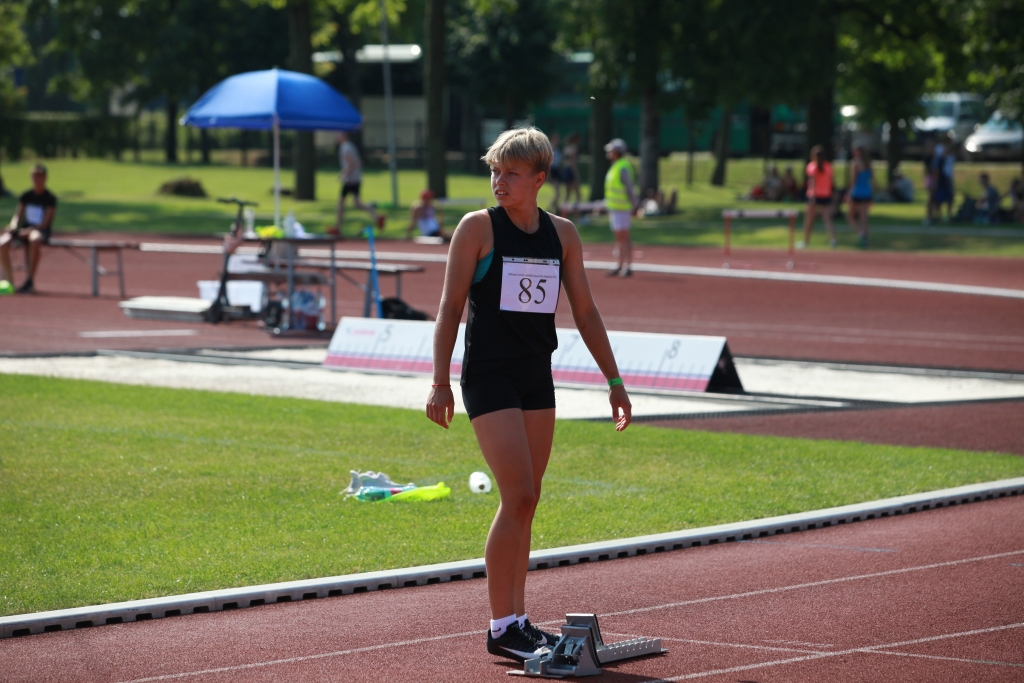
(567,209)
(95,247)
(269,275)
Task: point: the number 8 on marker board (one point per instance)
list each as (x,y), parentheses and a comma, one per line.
(529,285)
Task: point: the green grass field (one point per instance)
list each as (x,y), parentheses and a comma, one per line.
(112,492)
(103,195)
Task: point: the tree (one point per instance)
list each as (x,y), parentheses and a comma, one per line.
(433,86)
(997,45)
(486,37)
(14,52)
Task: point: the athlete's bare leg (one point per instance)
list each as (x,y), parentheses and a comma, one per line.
(507,439)
(6,239)
(540,429)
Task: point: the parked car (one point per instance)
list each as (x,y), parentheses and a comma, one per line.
(997,138)
(954,114)
(945,112)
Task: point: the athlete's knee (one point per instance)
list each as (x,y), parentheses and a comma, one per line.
(35,237)
(520,504)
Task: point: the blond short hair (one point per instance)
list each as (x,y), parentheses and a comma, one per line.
(527,145)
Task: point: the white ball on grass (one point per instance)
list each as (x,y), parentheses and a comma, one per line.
(479,483)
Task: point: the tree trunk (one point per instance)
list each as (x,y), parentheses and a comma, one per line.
(690,145)
(510,112)
(433,86)
(821,105)
(204,145)
(301,59)
(243,142)
(820,126)
(649,147)
(722,148)
(600,135)
(470,136)
(171,137)
(892,154)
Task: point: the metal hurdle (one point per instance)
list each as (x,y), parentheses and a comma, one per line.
(730,214)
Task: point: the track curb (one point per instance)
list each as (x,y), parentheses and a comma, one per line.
(290,591)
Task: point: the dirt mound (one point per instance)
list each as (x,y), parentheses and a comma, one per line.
(183,187)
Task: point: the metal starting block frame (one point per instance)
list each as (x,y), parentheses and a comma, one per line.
(581,651)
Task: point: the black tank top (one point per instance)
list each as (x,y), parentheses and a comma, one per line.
(494,334)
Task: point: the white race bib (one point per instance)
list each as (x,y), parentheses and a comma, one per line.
(529,285)
(34,214)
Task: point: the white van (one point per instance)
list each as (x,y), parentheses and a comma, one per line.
(956,112)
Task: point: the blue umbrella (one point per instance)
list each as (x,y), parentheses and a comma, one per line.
(272,100)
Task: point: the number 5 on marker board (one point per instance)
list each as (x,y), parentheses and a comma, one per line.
(529,285)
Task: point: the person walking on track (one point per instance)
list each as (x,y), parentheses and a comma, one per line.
(510,261)
(819,196)
(621,201)
(861,195)
(351,182)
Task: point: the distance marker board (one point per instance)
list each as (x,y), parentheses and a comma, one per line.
(677,362)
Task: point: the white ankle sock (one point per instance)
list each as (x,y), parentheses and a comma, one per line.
(522,620)
(498,626)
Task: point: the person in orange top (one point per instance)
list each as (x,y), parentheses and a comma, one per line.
(819,196)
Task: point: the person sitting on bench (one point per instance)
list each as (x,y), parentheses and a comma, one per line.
(31,223)
(427,218)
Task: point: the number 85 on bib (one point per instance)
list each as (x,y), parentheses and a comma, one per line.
(529,285)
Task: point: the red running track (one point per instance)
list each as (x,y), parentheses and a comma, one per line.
(933,596)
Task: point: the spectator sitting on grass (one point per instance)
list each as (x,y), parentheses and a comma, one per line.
(987,209)
(655,203)
(789,189)
(1016,195)
(427,218)
(31,223)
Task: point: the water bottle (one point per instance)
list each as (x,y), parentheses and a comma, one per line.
(374,493)
(249,216)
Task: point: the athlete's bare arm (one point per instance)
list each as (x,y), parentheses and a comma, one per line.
(473,239)
(588,318)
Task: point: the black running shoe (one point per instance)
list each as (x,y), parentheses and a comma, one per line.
(27,288)
(515,644)
(542,637)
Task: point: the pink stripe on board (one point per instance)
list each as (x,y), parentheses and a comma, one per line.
(680,383)
(393,364)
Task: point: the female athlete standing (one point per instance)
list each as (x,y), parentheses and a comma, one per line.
(510,261)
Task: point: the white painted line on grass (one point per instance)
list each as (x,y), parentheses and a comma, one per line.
(115,334)
(811,584)
(871,649)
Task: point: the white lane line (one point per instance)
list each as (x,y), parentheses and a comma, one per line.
(113,334)
(304,658)
(649,268)
(811,584)
(949,659)
(716,643)
(871,649)
(817,279)
(370,648)
(854,548)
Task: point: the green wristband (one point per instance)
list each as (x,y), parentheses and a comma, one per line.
(615,382)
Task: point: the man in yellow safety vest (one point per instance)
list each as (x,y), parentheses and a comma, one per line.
(620,199)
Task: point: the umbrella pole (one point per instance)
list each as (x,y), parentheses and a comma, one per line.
(277,173)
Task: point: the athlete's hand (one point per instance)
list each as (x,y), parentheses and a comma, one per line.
(622,409)
(441,405)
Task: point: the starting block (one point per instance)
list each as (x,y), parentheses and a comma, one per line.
(581,651)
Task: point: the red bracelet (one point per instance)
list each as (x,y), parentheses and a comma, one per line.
(440,385)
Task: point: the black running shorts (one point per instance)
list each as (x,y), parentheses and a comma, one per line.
(523,383)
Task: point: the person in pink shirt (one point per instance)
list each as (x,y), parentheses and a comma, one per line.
(819,196)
